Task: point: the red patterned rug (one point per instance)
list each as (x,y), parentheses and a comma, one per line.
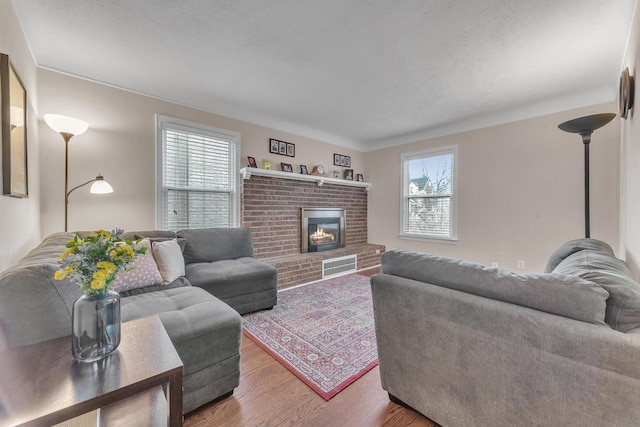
(322,332)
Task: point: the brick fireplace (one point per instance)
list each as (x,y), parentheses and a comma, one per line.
(271,207)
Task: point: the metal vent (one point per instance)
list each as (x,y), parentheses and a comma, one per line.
(338,266)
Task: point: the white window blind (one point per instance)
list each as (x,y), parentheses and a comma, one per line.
(198,170)
(428,202)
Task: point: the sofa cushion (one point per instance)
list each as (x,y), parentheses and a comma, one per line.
(144,272)
(232,279)
(214,244)
(168,256)
(623,305)
(574,246)
(567,296)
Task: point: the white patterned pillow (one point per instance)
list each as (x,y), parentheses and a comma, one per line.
(145,272)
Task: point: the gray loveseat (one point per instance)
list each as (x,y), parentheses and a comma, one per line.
(200,310)
(468,345)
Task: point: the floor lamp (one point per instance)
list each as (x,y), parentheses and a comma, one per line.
(585,127)
(68,127)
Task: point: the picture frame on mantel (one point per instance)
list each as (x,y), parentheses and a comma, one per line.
(13,131)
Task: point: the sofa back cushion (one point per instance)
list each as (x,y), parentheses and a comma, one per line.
(567,296)
(574,246)
(623,305)
(214,244)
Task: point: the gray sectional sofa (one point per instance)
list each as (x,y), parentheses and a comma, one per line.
(468,345)
(200,311)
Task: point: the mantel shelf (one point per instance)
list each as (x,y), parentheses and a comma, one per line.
(248,172)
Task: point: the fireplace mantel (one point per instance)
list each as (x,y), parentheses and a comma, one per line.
(248,172)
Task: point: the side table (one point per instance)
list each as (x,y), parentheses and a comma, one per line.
(42,384)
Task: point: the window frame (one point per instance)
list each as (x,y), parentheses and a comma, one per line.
(163,122)
(404,196)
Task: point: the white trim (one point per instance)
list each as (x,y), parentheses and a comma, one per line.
(247,173)
(329,278)
(446,150)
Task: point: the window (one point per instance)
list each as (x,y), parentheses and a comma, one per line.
(428,201)
(197,175)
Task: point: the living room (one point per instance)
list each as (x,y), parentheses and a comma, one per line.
(520,178)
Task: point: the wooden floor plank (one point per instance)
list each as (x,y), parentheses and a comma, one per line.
(270,395)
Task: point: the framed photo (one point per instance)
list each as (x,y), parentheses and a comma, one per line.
(252,162)
(291,150)
(341,160)
(274,146)
(303,170)
(286,167)
(266,164)
(359,177)
(336,173)
(283,148)
(348,174)
(13,112)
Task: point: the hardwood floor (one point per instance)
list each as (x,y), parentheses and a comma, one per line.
(270,395)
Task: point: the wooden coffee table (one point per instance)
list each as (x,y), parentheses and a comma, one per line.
(42,384)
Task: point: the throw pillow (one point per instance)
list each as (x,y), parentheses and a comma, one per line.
(144,273)
(573,246)
(623,305)
(169,258)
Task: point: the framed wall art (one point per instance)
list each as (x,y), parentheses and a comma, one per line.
(282,147)
(342,160)
(13,112)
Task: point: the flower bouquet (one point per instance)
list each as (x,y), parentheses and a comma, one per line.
(92,262)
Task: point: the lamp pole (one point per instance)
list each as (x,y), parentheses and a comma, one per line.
(585,127)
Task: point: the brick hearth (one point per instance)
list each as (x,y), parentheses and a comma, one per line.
(271,209)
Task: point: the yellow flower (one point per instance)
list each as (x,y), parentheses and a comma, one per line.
(98,283)
(123,252)
(59,275)
(104,234)
(101,275)
(107,265)
(67,252)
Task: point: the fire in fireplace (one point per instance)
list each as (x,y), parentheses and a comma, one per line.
(322,229)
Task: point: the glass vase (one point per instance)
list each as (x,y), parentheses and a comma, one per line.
(96,326)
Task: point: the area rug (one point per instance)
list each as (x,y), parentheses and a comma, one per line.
(322,332)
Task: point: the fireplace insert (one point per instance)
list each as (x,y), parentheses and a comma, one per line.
(322,229)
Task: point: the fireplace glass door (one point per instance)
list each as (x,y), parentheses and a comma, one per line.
(324,234)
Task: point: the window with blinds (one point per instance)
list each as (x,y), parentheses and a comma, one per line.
(428,201)
(197,179)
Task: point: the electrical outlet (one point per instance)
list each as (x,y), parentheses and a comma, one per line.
(494,265)
(520,264)
(377,251)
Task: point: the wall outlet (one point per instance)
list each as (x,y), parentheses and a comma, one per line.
(520,264)
(377,251)
(494,265)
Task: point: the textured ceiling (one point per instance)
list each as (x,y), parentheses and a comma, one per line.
(358,73)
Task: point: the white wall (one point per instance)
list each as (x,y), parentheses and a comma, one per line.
(630,169)
(120,144)
(20,218)
(520,190)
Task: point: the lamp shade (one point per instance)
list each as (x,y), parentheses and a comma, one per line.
(66,124)
(100,186)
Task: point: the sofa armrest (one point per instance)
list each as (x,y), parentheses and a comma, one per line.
(463,359)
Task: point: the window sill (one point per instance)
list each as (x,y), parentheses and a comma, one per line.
(444,240)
